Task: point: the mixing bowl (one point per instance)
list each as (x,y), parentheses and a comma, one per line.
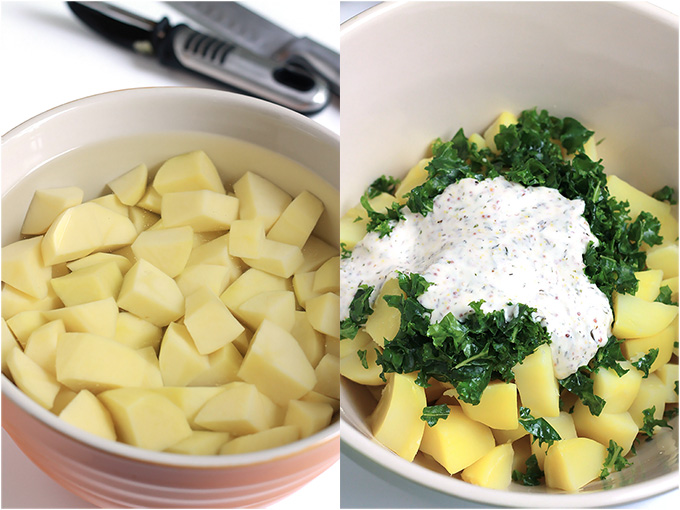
(88,142)
(415,71)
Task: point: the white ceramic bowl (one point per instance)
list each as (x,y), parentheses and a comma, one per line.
(416,71)
(88,142)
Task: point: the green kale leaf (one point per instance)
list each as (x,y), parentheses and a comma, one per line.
(614,460)
(649,423)
(432,414)
(538,427)
(359,310)
(532,476)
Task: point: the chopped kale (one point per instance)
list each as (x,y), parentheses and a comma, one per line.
(359,310)
(432,414)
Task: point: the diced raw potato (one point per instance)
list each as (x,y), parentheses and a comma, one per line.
(278,436)
(457,442)
(23,267)
(504,119)
(634,348)
(277,306)
(91,283)
(313,396)
(180,361)
(60,269)
(323,313)
(277,365)
(152,376)
(84,229)
(246,238)
(297,221)
(239,409)
(327,277)
(652,394)
(668,374)
(14,301)
(62,399)
(9,342)
(144,418)
(216,251)
(303,285)
(416,176)
(352,367)
(648,284)
(638,201)
(46,205)
(385,320)
(243,341)
(260,198)
(41,346)
(572,463)
(209,321)
(24,323)
(618,392)
(151,201)
(204,211)
(327,373)
(536,383)
(112,203)
(249,284)
(509,436)
(308,417)
(493,470)
(188,172)
(396,422)
(213,277)
(131,186)
(563,425)
(224,365)
(137,333)
(478,140)
(277,258)
(189,399)
(620,427)
(142,219)
(122,262)
(86,412)
(96,317)
(497,407)
(636,318)
(311,341)
(315,252)
(201,442)
(664,258)
(92,362)
(38,384)
(151,294)
(167,249)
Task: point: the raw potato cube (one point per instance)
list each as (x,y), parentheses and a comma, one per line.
(14,301)
(277,258)
(664,258)
(618,392)
(151,294)
(308,417)
(92,283)
(572,463)
(637,318)
(180,362)
(142,219)
(209,321)
(23,267)
(216,251)
(201,442)
(8,343)
(137,333)
(144,418)
(189,399)
(41,346)
(278,436)
(276,364)
(86,412)
(131,186)
(297,221)
(311,341)
(416,176)
(638,201)
(213,277)
(303,285)
(313,396)
(112,203)
(151,201)
(96,317)
(385,320)
(315,252)
(246,238)
(327,277)
(504,119)
(188,172)
(497,408)
(563,425)
(396,422)
(84,229)
(260,198)
(204,211)
(536,383)
(328,376)
(24,323)
(249,284)
(122,262)
(668,374)
(239,409)
(224,364)
(38,384)
(92,362)
(277,306)
(457,442)
(152,376)
(652,394)
(620,427)
(167,249)
(634,348)
(323,313)
(46,205)
(493,470)
(62,399)
(649,283)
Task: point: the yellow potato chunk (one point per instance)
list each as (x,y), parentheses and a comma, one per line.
(142,219)
(493,470)
(23,267)
(277,258)
(634,348)
(416,176)
(638,201)
(112,203)
(396,422)
(572,463)
(14,301)
(137,333)
(179,360)
(311,341)
(91,283)
(536,383)
(668,374)
(458,441)
(246,238)
(652,394)
(620,427)
(9,342)
(151,294)
(189,399)
(618,392)
(674,285)
(277,306)
(151,201)
(167,249)
(636,318)
(41,346)
(504,119)
(122,262)
(323,313)
(209,321)
(46,205)
(131,186)
(192,171)
(24,323)
(216,251)
(276,364)
(352,367)
(497,407)
(327,373)
(213,277)
(303,286)
(204,211)
(664,258)
(96,317)
(353,222)
(86,412)
(30,377)
(308,417)
(315,252)
(649,283)
(249,284)
(297,221)
(223,367)
(327,277)
(509,436)
(277,436)
(385,320)
(144,418)
(260,198)
(563,425)
(201,442)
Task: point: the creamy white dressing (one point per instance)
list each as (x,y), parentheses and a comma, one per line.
(501,242)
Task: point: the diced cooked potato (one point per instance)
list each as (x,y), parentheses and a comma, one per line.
(620,427)
(23,267)
(192,171)
(131,186)
(396,422)
(385,320)
(260,198)
(180,361)
(634,348)
(636,318)
(209,322)
(536,383)
(308,417)
(572,463)
(204,210)
(91,283)
(353,222)
(668,374)
(652,394)
(167,249)
(522,449)
(323,313)
(297,221)
(416,176)
(30,377)
(648,284)
(504,119)
(497,407)
(277,436)
(664,258)
(509,436)
(277,258)
(277,306)
(86,412)
(246,238)
(618,391)
(493,470)
(96,317)
(458,441)
(638,201)
(673,284)
(563,425)
(46,205)
(201,442)
(352,367)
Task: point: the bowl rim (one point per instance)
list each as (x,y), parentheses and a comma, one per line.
(373,453)
(27,405)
